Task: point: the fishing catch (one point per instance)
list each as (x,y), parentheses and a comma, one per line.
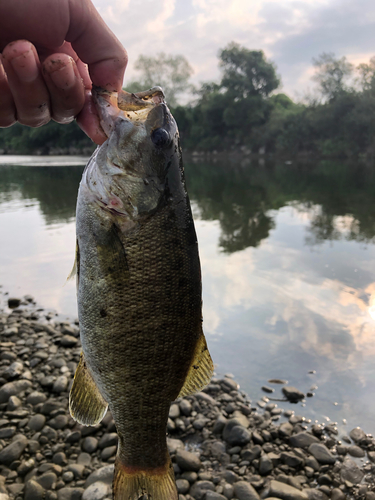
(138,289)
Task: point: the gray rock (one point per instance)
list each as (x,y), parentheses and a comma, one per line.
(371,455)
(265,465)
(357,434)
(108,452)
(174,445)
(292,394)
(174,411)
(238,436)
(67,476)
(47,480)
(13,302)
(33,491)
(337,494)
(244,491)
(315,494)
(228,491)
(185,407)
(96,491)
(291,459)
(14,403)
(59,422)
(89,444)
(68,341)
(313,463)
(70,493)
(25,467)
(219,425)
(60,384)
(285,491)
(77,470)
(252,454)
(49,433)
(356,451)
(228,384)
(183,486)
(285,429)
(59,458)
(351,472)
(35,398)
(212,495)
(14,450)
(188,461)
(108,439)
(190,476)
(104,475)
(14,370)
(36,423)
(7,432)
(321,453)
(302,440)
(12,389)
(198,489)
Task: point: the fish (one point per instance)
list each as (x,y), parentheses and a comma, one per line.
(139,289)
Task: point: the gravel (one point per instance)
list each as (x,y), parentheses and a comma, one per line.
(222,447)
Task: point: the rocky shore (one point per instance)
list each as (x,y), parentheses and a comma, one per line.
(222,446)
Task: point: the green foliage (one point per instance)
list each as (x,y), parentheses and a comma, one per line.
(170,72)
(332,74)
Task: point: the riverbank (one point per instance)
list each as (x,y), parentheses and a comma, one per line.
(222,445)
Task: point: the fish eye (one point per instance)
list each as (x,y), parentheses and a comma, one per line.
(160,137)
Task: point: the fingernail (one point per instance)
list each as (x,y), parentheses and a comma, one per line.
(64,78)
(25,66)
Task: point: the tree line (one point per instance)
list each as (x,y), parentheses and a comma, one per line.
(243,110)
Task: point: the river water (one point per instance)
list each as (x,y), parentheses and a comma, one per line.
(288,265)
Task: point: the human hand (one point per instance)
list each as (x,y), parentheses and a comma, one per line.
(52,52)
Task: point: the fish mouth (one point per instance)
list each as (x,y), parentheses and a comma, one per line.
(134,108)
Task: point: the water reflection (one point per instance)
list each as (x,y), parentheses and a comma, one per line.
(288,269)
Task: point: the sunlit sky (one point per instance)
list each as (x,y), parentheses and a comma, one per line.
(291,32)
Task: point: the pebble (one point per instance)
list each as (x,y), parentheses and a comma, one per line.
(90,444)
(198,489)
(285,491)
(303,440)
(244,491)
(60,384)
(183,486)
(70,493)
(68,341)
(12,389)
(351,472)
(292,394)
(14,450)
(96,491)
(356,451)
(321,453)
(33,491)
(188,461)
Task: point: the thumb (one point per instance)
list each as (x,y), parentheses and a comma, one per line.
(97,46)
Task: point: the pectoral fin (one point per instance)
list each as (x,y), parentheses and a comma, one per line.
(86,404)
(74,271)
(200,371)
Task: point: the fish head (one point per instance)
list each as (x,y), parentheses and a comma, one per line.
(128,173)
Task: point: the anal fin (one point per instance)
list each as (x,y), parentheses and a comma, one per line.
(87,406)
(200,371)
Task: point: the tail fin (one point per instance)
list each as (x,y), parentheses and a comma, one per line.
(131,483)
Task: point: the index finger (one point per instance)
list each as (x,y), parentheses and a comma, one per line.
(97,46)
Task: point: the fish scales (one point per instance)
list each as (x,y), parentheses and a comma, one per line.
(138,289)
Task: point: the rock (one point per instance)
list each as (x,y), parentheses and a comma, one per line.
(265,465)
(59,458)
(188,461)
(89,444)
(219,425)
(291,459)
(185,407)
(356,451)
(104,475)
(108,452)
(302,440)
(238,436)
(70,493)
(315,494)
(68,341)
(351,472)
(14,450)
(244,491)
(357,434)
(60,384)
(108,439)
(14,403)
(174,411)
(96,491)
(13,371)
(47,480)
(174,445)
(183,486)
(285,491)
(25,467)
(12,389)
(265,388)
(33,491)
(48,433)
(337,494)
(58,422)
(36,423)
(77,470)
(321,453)
(7,432)
(252,454)
(285,429)
(212,495)
(13,302)
(35,398)
(198,489)
(292,394)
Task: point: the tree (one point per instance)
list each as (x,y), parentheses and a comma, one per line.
(367,75)
(246,72)
(170,72)
(332,74)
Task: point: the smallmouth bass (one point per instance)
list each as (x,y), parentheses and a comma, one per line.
(138,289)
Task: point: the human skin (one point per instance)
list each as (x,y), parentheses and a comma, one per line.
(51,54)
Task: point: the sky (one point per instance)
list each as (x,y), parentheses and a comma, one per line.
(291,33)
